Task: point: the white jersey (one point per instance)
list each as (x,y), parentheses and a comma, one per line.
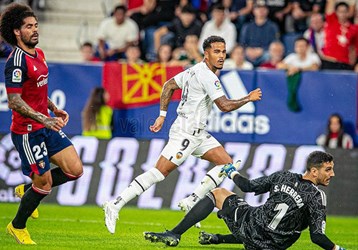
(200,87)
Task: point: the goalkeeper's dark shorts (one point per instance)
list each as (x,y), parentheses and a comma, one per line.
(234,213)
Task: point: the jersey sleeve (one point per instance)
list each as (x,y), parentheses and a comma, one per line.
(212,85)
(181,77)
(15,74)
(317,213)
(259,186)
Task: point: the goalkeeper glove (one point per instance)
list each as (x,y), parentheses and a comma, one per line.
(228,170)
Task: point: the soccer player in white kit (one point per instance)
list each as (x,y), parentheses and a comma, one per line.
(200,89)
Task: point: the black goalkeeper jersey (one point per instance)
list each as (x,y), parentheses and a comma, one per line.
(293,205)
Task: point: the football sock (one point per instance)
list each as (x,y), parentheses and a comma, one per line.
(200,211)
(28,203)
(59,177)
(138,186)
(209,182)
(227,238)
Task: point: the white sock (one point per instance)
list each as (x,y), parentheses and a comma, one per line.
(138,186)
(209,182)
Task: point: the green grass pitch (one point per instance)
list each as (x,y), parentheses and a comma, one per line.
(62,227)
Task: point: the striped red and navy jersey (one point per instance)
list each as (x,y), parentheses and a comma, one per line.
(27,75)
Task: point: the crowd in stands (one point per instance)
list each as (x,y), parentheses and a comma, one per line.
(295,35)
(258,33)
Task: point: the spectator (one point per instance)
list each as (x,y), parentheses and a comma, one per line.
(153,12)
(315,33)
(185,24)
(278,11)
(164,54)
(339,36)
(238,12)
(301,11)
(335,136)
(257,35)
(219,26)
(157,13)
(302,60)
(276,53)
(97,116)
(138,9)
(115,34)
(5,48)
(201,8)
(352,5)
(189,54)
(237,60)
(87,53)
(133,55)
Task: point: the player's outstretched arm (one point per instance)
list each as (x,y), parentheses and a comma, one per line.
(324,242)
(227,105)
(167,93)
(15,102)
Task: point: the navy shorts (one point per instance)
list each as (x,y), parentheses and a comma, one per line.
(36,148)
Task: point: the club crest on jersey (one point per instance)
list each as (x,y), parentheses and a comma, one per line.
(17,75)
(41,164)
(179,155)
(217,84)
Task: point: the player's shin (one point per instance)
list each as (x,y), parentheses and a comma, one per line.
(29,202)
(199,212)
(138,186)
(209,182)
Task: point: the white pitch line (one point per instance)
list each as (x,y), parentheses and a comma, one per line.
(101,221)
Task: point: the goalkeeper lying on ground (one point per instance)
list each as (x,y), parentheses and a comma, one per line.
(295,203)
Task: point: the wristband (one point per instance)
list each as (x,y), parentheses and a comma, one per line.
(163,113)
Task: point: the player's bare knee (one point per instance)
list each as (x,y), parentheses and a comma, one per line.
(76,171)
(217,191)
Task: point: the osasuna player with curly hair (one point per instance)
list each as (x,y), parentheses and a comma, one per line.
(295,203)
(36,135)
(188,136)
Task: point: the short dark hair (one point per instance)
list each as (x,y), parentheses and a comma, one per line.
(301,38)
(13,18)
(341,4)
(218,6)
(317,158)
(212,39)
(188,9)
(87,44)
(120,7)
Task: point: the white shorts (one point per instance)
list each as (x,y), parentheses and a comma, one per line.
(181,144)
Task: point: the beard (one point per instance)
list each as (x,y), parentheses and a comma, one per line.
(218,67)
(29,43)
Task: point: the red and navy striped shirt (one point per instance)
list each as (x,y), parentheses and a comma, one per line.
(27,75)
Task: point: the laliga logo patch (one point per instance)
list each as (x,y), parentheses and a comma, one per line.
(323,226)
(17,75)
(179,155)
(217,84)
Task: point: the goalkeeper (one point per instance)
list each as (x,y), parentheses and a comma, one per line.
(295,203)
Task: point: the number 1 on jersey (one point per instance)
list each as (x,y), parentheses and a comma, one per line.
(282,210)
